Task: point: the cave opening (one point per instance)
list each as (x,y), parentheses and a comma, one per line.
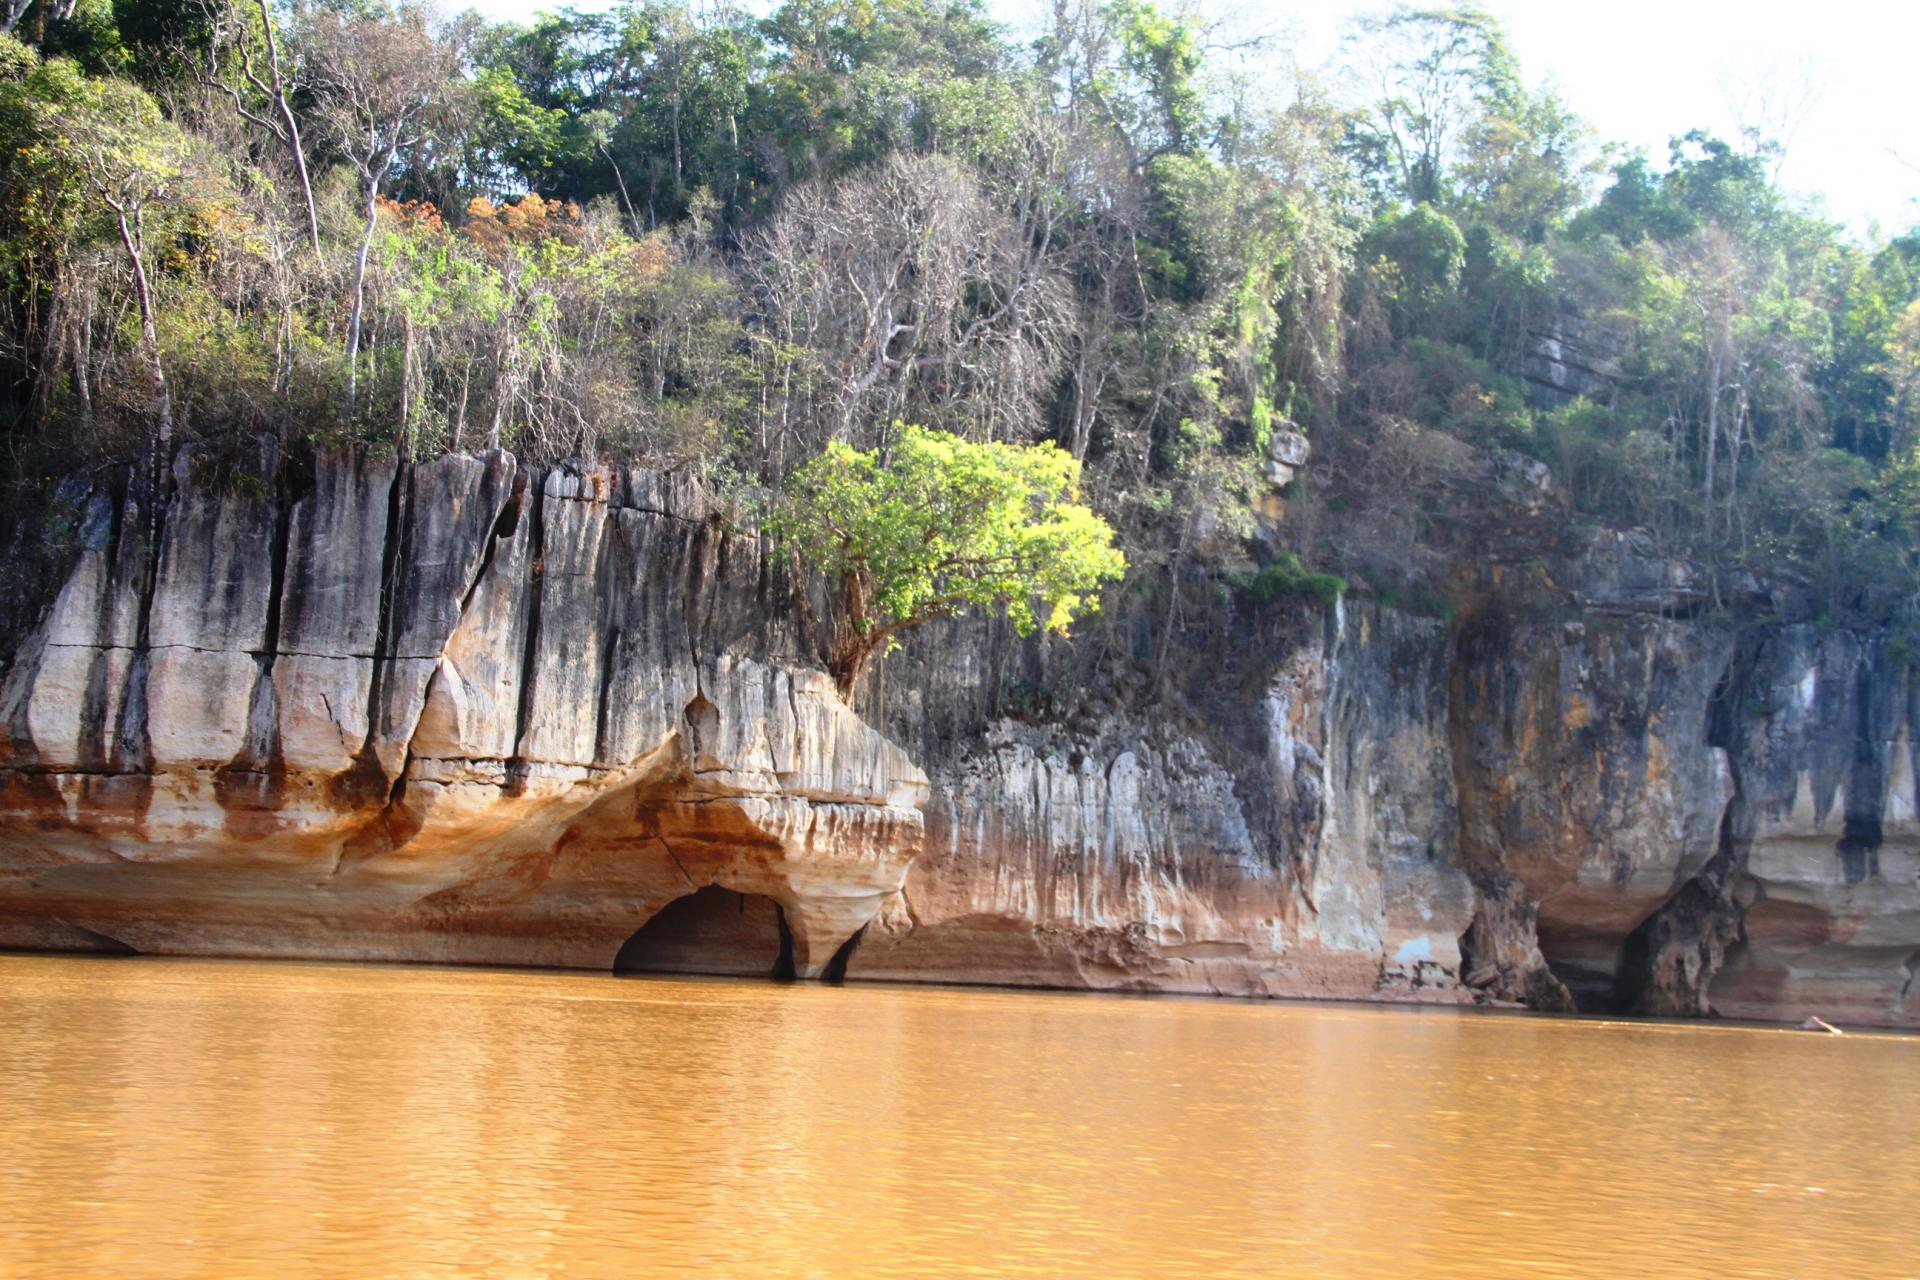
(714,931)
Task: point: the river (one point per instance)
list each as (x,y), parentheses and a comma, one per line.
(219,1118)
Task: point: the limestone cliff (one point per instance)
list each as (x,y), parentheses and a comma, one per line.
(447,712)
(1284,825)
(459,711)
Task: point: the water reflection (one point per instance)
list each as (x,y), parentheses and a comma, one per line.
(176,1118)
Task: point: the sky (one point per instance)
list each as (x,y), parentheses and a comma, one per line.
(1837,77)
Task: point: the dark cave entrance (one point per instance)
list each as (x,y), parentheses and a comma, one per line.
(715,931)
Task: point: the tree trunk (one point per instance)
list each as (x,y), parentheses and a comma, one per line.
(855,642)
(83,360)
(460,414)
(406,384)
(1087,386)
(284,351)
(293,131)
(1713,421)
(133,238)
(733,176)
(633,219)
(678,181)
(849,659)
(306,183)
(1734,442)
(503,354)
(360,287)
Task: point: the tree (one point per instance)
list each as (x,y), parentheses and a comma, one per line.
(1635,207)
(1425,253)
(916,296)
(1902,370)
(11,11)
(1868,380)
(1521,167)
(577,103)
(935,526)
(381,86)
(1436,74)
(850,80)
(231,31)
(132,159)
(1163,53)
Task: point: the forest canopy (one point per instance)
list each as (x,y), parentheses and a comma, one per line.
(735,243)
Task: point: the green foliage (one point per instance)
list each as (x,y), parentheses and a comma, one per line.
(513,135)
(108,128)
(1522,171)
(1287,579)
(1601,468)
(933,525)
(553,334)
(721,240)
(1421,253)
(162,38)
(90,34)
(1635,207)
(1164,54)
(1450,388)
(1873,373)
(1438,75)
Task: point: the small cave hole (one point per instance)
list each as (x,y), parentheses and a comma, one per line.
(703,722)
(508,521)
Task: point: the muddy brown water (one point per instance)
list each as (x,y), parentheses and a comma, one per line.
(208,1118)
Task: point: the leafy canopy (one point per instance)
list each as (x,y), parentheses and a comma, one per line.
(934,525)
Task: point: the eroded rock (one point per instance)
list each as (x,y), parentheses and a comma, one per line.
(467,711)
(447,712)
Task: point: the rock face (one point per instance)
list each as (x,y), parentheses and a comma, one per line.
(1822,845)
(463,712)
(1299,843)
(452,712)
(1567,358)
(1587,774)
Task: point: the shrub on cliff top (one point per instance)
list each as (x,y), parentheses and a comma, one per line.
(930,525)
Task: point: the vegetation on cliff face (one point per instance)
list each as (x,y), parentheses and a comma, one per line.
(930,525)
(736,243)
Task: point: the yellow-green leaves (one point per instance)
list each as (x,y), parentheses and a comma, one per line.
(932,525)
(110,128)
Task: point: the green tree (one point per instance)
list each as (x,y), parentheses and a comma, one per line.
(1163,54)
(1421,254)
(848,81)
(1522,169)
(1872,409)
(1437,74)
(932,526)
(1635,207)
